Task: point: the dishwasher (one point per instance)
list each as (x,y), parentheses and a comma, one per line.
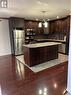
(62,48)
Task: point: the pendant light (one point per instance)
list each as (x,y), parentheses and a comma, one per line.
(44,22)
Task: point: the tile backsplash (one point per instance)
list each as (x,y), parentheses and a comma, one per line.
(57,36)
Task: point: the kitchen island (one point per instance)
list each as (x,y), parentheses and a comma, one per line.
(40,52)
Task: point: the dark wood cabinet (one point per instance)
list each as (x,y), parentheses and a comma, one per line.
(30,36)
(60,26)
(35,56)
(16,22)
(21,23)
(31,24)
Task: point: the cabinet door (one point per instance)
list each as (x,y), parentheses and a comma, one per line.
(52,28)
(17,22)
(46,30)
(40,31)
(34,56)
(31,25)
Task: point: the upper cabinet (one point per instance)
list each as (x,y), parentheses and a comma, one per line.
(16,22)
(30,24)
(60,25)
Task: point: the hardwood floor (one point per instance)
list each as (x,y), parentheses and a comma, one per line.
(17,79)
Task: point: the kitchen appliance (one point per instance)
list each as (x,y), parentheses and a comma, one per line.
(62,48)
(19,40)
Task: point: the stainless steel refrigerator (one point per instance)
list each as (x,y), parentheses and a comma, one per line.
(19,40)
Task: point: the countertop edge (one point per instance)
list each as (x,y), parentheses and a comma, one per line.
(37,45)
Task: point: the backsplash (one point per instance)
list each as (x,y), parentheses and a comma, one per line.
(57,36)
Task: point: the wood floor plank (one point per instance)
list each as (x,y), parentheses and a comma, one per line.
(17,79)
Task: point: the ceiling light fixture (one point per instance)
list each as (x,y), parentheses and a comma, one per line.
(44,22)
(70,14)
(57,17)
(36,19)
(48,19)
(3,3)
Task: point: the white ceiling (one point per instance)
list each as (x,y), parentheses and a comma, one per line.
(31,9)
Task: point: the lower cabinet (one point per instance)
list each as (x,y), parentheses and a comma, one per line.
(34,56)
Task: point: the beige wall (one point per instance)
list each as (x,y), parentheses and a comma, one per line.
(69,65)
(5,47)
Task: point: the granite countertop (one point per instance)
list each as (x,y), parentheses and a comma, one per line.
(36,45)
(51,40)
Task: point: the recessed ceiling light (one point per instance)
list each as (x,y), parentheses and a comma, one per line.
(39,2)
(48,19)
(42,3)
(36,19)
(57,17)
